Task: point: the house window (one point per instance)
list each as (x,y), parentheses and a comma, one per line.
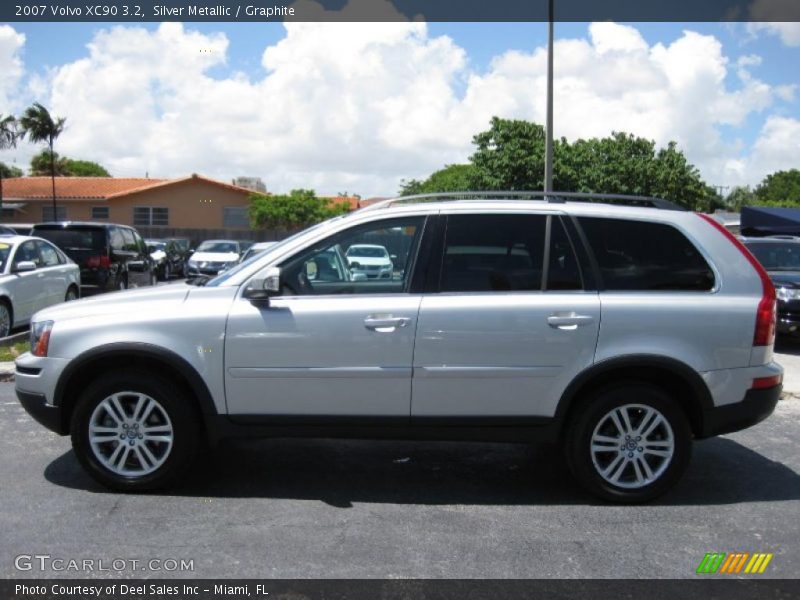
(148,215)
(235,216)
(47,213)
(100,212)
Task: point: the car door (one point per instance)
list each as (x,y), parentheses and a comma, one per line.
(330,345)
(511,325)
(136,258)
(56,273)
(29,286)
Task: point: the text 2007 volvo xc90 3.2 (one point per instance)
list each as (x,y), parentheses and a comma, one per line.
(622,332)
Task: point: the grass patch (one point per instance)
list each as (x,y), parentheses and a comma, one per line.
(9,353)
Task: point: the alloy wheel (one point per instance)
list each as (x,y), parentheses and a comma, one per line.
(130,434)
(5,320)
(632,445)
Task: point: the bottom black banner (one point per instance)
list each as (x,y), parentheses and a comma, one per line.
(405,589)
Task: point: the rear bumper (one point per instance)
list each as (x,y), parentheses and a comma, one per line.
(46,414)
(756,406)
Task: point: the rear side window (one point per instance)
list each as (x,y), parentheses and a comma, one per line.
(643,256)
(485,253)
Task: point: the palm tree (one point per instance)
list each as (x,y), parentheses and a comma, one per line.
(39,126)
(8,139)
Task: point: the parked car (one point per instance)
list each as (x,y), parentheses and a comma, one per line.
(20,228)
(245,245)
(371,260)
(6,230)
(491,331)
(110,256)
(34,274)
(256,249)
(167,258)
(780,256)
(213,256)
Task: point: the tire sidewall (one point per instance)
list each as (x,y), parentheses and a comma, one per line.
(178,406)
(601,403)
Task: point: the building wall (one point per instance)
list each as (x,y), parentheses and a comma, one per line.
(191,204)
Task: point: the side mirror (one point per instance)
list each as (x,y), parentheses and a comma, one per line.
(25,266)
(260,289)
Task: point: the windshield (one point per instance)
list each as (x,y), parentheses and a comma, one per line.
(367,251)
(74,239)
(5,249)
(155,247)
(226,275)
(218,247)
(777,256)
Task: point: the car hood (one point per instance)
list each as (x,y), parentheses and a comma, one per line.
(157,298)
(158,255)
(790,279)
(214,257)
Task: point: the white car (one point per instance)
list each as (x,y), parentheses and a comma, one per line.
(257,249)
(371,260)
(34,274)
(213,256)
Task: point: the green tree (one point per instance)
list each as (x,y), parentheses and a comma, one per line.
(299,208)
(453,178)
(781,188)
(9,171)
(42,163)
(85,168)
(739,196)
(509,156)
(8,139)
(39,125)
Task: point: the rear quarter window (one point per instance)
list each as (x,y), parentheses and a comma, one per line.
(645,256)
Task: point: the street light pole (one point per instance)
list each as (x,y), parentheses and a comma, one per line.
(548,149)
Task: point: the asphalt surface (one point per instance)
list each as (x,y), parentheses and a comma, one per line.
(342,509)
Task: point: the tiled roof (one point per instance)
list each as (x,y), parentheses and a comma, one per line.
(33,188)
(72,187)
(351,201)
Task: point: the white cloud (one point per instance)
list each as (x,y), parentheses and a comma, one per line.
(11,67)
(788,32)
(777,148)
(358,106)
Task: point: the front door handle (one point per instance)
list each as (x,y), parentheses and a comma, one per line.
(568,321)
(385,323)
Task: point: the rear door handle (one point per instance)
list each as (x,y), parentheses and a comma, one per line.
(569,321)
(385,323)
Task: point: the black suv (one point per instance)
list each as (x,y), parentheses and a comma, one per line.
(111,257)
(168,258)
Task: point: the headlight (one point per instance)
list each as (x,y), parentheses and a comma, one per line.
(787,294)
(40,337)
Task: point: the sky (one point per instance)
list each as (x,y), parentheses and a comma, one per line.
(358,107)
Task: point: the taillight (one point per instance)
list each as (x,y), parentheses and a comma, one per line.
(762,383)
(94,262)
(766,314)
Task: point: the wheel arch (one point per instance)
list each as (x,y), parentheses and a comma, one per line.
(125,354)
(678,378)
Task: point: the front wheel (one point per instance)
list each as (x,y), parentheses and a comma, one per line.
(134,431)
(630,443)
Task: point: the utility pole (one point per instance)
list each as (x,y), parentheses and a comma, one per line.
(548,149)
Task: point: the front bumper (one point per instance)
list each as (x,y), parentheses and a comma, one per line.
(46,414)
(756,406)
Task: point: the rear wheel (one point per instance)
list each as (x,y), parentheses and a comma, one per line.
(629,443)
(134,431)
(5,318)
(72,294)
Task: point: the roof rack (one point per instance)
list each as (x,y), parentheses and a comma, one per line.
(550,197)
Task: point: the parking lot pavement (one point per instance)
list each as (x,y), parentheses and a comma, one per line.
(787,353)
(320,508)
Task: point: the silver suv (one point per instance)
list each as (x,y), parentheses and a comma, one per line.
(622,332)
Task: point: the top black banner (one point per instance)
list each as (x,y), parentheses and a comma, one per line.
(397,10)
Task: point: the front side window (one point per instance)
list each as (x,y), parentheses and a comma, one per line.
(493,253)
(375,258)
(27,252)
(645,256)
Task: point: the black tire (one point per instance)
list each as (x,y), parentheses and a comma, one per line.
(7,322)
(72,294)
(589,415)
(176,404)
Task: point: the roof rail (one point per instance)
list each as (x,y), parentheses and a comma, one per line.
(551,197)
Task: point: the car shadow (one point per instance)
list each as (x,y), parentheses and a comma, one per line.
(787,345)
(341,472)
